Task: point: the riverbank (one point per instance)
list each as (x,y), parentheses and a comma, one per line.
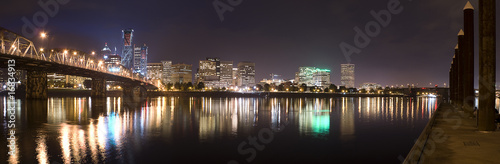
(452,137)
(264,94)
(118,93)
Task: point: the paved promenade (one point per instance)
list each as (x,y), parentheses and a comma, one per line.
(453,137)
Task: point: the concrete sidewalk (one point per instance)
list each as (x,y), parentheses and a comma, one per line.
(454,138)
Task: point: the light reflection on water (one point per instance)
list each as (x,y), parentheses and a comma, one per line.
(86,130)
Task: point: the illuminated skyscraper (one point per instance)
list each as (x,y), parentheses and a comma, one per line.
(347,75)
(140,60)
(127,51)
(226,72)
(167,72)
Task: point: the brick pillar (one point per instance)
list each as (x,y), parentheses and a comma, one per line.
(455,77)
(461,70)
(98,86)
(468,54)
(487,64)
(36,86)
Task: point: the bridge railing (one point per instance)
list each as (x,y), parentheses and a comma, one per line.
(17,45)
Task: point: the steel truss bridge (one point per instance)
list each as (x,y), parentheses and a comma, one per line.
(38,63)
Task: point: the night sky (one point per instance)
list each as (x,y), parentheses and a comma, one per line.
(278,35)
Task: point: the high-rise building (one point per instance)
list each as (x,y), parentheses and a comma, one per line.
(140,60)
(226,72)
(182,73)
(155,71)
(217,65)
(321,77)
(207,71)
(312,76)
(167,72)
(235,77)
(305,76)
(347,75)
(106,51)
(127,51)
(137,59)
(246,76)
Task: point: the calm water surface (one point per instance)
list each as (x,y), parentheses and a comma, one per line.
(215,130)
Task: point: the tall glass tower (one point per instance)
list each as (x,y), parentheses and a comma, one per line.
(128,49)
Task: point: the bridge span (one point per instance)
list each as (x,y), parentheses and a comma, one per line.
(37,63)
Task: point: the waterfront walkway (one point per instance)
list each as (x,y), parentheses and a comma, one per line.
(452,137)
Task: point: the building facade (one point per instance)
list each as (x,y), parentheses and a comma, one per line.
(217,65)
(226,73)
(141,60)
(207,71)
(246,75)
(347,75)
(106,51)
(312,76)
(155,71)
(182,73)
(127,51)
(235,77)
(166,71)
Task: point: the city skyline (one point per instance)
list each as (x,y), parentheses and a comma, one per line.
(307,39)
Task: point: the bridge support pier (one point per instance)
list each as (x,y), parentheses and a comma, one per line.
(98,86)
(36,87)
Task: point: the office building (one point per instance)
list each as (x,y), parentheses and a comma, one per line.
(127,51)
(246,75)
(312,76)
(140,60)
(235,77)
(182,73)
(226,73)
(347,75)
(154,72)
(207,71)
(106,51)
(166,71)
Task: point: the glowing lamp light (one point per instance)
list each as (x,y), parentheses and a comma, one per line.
(43,35)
